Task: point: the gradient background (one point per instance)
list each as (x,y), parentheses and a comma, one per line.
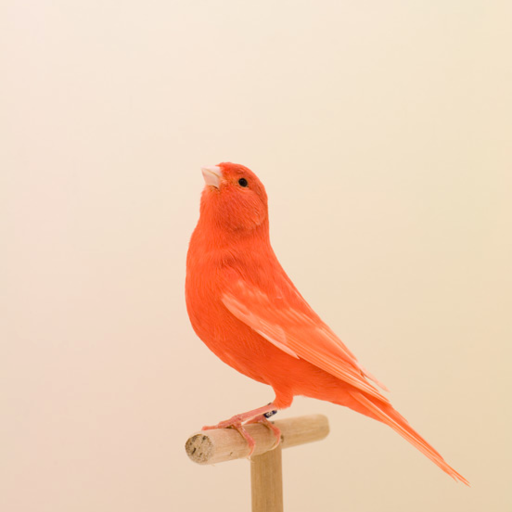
(382,131)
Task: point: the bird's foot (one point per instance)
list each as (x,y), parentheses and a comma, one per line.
(236,423)
(263,419)
(259,415)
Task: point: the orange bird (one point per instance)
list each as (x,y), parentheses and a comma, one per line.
(245,308)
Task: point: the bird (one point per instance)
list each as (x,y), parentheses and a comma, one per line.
(245,308)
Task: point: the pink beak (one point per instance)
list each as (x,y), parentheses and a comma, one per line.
(212,175)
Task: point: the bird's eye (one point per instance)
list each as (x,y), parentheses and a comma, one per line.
(242,182)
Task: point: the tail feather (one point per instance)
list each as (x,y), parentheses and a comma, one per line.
(388,415)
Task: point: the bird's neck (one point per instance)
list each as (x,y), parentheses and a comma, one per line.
(209,237)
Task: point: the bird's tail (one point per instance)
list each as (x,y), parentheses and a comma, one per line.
(385,413)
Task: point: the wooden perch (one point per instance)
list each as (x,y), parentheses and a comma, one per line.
(214,446)
(220,445)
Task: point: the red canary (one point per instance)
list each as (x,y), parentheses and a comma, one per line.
(245,308)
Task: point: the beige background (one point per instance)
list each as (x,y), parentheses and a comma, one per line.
(382,131)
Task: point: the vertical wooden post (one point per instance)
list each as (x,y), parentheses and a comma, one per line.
(267,481)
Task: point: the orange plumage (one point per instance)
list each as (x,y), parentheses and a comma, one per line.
(245,308)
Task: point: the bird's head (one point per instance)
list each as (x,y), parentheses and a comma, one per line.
(234,199)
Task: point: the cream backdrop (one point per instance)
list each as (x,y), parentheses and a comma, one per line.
(382,131)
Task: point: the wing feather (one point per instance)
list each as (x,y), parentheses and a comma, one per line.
(289,323)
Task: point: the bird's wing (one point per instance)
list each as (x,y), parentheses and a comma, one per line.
(289,323)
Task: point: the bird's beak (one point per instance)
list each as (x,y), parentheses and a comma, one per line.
(212,175)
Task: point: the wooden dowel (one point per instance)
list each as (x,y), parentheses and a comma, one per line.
(267,482)
(220,445)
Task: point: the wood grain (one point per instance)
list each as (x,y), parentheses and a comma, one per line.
(267,481)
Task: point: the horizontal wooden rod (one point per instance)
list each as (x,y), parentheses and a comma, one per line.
(220,445)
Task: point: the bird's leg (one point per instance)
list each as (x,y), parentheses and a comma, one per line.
(244,417)
(259,415)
